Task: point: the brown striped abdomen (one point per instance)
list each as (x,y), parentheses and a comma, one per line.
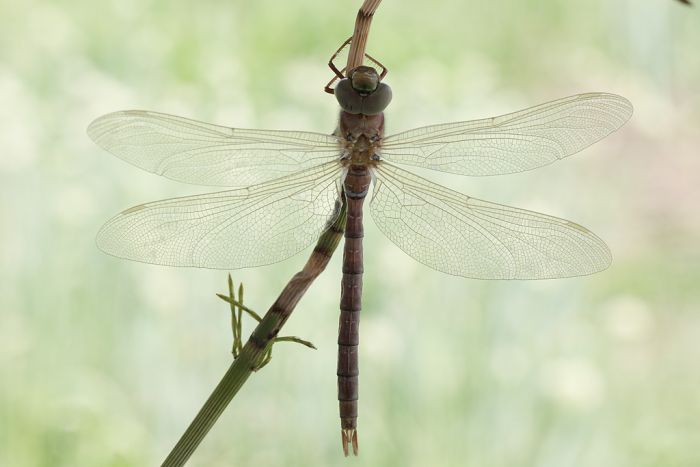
(356,185)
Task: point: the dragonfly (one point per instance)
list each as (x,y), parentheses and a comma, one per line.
(285,188)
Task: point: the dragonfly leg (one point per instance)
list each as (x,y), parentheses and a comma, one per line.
(328,87)
(385,70)
(339,73)
(331,64)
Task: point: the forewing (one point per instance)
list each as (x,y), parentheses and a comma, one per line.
(206,154)
(232,229)
(514,142)
(468,237)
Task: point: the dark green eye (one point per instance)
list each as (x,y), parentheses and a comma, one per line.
(376,102)
(349,99)
(364,79)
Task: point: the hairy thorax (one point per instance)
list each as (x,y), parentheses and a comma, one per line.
(362,138)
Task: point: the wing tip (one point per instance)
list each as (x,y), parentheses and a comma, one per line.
(624,105)
(596,250)
(94,129)
(103,243)
(599,265)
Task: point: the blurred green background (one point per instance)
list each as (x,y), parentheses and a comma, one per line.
(104,362)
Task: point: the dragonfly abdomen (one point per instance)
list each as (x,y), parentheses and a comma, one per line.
(355,186)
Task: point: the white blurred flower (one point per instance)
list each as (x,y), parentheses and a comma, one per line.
(163,289)
(628,318)
(573,381)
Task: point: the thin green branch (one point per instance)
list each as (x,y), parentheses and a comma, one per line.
(298,340)
(235,321)
(237,308)
(236,303)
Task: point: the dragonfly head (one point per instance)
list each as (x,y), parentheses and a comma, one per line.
(364,79)
(362,92)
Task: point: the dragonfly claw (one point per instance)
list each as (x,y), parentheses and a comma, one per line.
(349,436)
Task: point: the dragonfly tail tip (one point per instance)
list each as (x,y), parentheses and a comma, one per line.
(349,437)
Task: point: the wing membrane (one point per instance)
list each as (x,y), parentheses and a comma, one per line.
(514,142)
(468,237)
(232,229)
(206,154)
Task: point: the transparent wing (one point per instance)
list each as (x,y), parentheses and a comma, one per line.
(514,142)
(464,236)
(233,229)
(205,154)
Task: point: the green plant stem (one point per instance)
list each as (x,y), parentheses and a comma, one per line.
(253,353)
(238,304)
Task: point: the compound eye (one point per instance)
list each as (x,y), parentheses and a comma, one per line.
(376,102)
(349,100)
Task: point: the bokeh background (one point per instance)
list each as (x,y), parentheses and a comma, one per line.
(104,362)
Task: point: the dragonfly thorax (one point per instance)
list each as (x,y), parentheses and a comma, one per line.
(362,137)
